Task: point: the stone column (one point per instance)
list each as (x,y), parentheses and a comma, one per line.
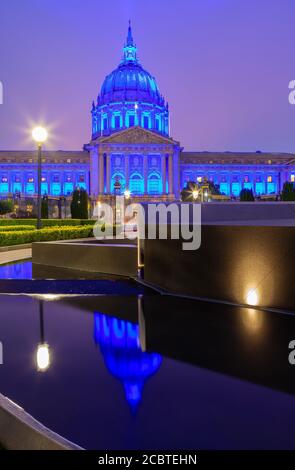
(139,113)
(101,173)
(127,170)
(231,183)
(170,173)
(124,118)
(265,183)
(145,173)
(94,186)
(164,174)
(108,174)
(153,120)
(109,116)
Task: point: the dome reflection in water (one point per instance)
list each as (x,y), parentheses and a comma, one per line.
(120,346)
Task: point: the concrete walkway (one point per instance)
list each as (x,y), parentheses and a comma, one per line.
(15,255)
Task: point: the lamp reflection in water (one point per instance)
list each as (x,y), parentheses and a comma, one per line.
(43,352)
(120,346)
(253,320)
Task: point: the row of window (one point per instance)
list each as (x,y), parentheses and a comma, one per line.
(258,188)
(235,178)
(29,188)
(132,119)
(53,184)
(54,178)
(136,184)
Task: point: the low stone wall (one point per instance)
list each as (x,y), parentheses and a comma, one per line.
(20,431)
(242,342)
(118,259)
(4,249)
(231,262)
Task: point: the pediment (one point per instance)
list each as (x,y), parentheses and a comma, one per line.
(136,135)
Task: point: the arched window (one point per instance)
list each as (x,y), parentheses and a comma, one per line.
(116,121)
(154,183)
(146,121)
(130,120)
(136,184)
(158,123)
(104,123)
(118,178)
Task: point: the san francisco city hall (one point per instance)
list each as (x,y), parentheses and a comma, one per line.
(131,149)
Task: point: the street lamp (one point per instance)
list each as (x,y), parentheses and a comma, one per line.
(43,358)
(127,194)
(39,135)
(195,194)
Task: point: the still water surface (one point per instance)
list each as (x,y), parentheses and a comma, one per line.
(151,372)
(20,270)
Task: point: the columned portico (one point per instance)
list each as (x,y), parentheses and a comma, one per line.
(138,159)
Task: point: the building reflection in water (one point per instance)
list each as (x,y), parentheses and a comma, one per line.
(20,270)
(120,346)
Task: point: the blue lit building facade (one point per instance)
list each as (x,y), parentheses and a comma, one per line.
(62,172)
(131,149)
(264,173)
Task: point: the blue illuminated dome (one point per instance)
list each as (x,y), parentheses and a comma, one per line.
(129,97)
(130,82)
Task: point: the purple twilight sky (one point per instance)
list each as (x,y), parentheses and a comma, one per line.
(223,65)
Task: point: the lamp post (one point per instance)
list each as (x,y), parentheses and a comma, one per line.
(127,194)
(40,136)
(195,194)
(43,352)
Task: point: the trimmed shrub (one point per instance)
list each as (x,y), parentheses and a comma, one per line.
(44,207)
(45,234)
(6,206)
(10,222)
(66,222)
(247,195)
(47,222)
(79,204)
(15,228)
(288,193)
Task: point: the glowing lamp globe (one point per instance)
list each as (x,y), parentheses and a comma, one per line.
(195,194)
(39,134)
(43,357)
(252,297)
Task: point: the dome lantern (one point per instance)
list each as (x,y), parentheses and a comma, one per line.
(130,49)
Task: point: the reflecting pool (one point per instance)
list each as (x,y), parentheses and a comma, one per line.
(150,372)
(19,270)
